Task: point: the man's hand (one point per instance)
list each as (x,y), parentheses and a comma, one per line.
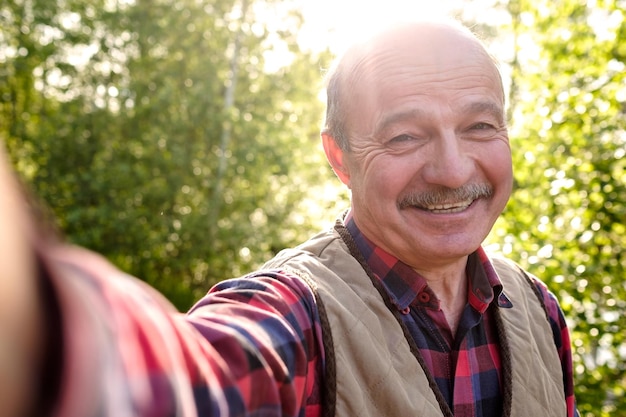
(21,327)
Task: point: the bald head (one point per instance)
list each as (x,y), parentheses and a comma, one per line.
(432,45)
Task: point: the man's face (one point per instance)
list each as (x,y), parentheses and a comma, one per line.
(429,163)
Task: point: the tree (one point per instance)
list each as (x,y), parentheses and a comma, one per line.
(159,135)
(565,220)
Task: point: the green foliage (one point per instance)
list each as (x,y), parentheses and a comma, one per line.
(163,136)
(565,220)
(157,135)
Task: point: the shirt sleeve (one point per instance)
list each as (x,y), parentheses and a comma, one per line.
(562,341)
(250,347)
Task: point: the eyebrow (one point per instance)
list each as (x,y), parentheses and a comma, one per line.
(490,107)
(402,116)
(474,107)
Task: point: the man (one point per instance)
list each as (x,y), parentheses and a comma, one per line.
(395,311)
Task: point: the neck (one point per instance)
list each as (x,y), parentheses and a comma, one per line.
(450,286)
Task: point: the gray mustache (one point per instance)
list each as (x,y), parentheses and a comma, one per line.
(446,195)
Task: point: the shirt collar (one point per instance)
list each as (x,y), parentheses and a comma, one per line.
(406,287)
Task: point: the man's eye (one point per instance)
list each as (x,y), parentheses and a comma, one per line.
(483,126)
(401,138)
(481,131)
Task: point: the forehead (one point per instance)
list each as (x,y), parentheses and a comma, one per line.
(419,59)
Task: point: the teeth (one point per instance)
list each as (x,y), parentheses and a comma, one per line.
(450,207)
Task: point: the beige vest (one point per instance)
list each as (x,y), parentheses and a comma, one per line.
(373,368)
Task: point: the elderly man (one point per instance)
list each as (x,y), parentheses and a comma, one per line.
(395,311)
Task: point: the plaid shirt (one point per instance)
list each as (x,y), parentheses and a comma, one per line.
(251,346)
(465,365)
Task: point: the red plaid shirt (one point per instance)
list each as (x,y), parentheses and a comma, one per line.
(252,346)
(465,365)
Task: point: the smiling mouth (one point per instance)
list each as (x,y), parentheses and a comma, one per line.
(446,200)
(448,208)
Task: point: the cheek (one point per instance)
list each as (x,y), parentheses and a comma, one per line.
(387,178)
(497,165)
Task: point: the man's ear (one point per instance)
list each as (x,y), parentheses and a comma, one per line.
(335,156)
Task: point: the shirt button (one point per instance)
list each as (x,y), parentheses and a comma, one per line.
(423,297)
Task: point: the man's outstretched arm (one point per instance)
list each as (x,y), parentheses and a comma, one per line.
(252,346)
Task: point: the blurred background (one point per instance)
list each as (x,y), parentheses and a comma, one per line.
(180,138)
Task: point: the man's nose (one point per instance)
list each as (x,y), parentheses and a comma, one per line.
(449,163)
